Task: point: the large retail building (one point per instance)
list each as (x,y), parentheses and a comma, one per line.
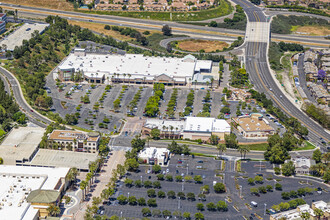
(132,68)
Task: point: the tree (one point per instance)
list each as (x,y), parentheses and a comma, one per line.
(288,169)
(317,156)
(128,182)
(198,179)
(181,195)
(157,185)
(156,168)
(221,148)
(213,24)
(199,216)
(318,213)
(326,176)
(146,212)
(191,196)
(243,150)
(131,165)
(167,214)
(171,194)
(151,193)
(147,184)
(262,189)
(107,27)
(211,206)
(138,143)
(285,195)
(219,188)
(276,154)
(188,178)
(161,194)
(222,206)
(132,200)
(278,186)
(251,181)
(186,215)
(155,133)
(167,31)
(156,213)
(152,203)
(121,170)
(259,179)
(122,200)
(160,176)
(177,214)
(305,215)
(200,206)
(214,140)
(169,177)
(53,210)
(231,141)
(178,178)
(141,201)
(269,188)
(293,194)
(254,191)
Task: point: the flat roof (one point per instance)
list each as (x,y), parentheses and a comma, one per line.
(23,33)
(20,144)
(71,135)
(153,152)
(138,65)
(203,124)
(252,124)
(16,183)
(57,158)
(159,124)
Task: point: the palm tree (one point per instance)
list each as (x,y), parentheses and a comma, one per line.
(212,80)
(221,148)
(241,150)
(326,158)
(318,213)
(83,186)
(144,80)
(176,129)
(53,210)
(113,76)
(319,169)
(129,77)
(164,128)
(245,151)
(69,146)
(305,215)
(72,175)
(124,77)
(171,128)
(195,83)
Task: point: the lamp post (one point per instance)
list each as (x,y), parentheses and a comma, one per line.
(141,178)
(260,166)
(121,214)
(240,191)
(187,169)
(223,180)
(265,208)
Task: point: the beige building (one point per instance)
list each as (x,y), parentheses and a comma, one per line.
(253,126)
(302,164)
(76,140)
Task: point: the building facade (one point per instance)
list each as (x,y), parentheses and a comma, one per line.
(155,156)
(75,140)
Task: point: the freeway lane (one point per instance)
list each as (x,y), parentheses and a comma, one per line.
(257,66)
(33,116)
(177,27)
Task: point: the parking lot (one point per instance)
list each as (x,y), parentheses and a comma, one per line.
(252,168)
(178,166)
(68,99)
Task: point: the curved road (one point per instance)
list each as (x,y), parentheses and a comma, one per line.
(257,42)
(181,28)
(33,116)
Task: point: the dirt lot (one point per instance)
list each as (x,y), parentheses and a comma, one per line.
(313,30)
(197,45)
(55,4)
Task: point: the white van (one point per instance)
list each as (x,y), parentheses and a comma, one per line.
(253,203)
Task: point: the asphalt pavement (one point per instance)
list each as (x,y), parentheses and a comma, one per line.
(257,66)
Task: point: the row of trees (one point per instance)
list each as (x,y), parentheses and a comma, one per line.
(322,166)
(133,33)
(317,114)
(171,106)
(237,22)
(152,106)
(189,103)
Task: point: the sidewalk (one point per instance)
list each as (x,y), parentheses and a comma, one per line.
(102,179)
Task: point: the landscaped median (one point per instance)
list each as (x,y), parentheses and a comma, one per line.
(224,8)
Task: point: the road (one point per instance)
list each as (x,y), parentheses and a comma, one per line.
(178,28)
(257,42)
(302,79)
(33,116)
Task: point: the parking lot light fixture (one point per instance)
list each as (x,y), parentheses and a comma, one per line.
(182,186)
(121,214)
(141,178)
(240,191)
(223,180)
(265,208)
(187,169)
(260,166)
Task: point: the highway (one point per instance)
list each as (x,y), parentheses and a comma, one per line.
(257,66)
(178,28)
